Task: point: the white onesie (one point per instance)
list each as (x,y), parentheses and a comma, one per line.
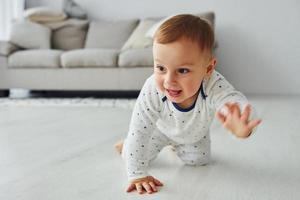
(157,122)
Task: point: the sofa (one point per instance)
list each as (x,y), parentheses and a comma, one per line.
(78,54)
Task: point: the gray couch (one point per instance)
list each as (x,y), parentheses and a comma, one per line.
(78,55)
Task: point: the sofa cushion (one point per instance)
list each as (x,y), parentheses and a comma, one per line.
(44,14)
(69,34)
(90,58)
(30,35)
(138,39)
(136,58)
(42,58)
(109,34)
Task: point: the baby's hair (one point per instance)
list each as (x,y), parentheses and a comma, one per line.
(186,26)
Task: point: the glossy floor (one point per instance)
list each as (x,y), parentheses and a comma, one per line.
(62,153)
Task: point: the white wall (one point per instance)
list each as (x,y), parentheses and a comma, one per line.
(259,40)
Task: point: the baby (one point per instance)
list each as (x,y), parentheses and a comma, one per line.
(179,100)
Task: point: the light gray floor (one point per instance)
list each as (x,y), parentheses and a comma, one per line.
(66,153)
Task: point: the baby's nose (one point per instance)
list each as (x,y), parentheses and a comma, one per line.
(170,79)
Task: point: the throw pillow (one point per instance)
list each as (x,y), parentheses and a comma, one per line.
(73,10)
(69,34)
(150,33)
(109,34)
(44,14)
(138,39)
(30,35)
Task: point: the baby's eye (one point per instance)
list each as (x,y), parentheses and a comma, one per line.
(160,68)
(183,70)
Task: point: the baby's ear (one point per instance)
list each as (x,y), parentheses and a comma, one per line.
(211,67)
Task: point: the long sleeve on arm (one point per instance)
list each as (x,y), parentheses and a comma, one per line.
(220,92)
(143,120)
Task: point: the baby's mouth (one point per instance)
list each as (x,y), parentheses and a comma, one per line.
(174,93)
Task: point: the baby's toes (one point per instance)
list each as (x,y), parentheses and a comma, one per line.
(119,146)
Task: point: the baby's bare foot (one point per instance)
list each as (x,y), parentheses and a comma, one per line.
(119,146)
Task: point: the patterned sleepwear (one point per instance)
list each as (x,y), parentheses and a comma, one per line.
(157,122)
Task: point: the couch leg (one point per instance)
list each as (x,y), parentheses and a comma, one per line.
(4,93)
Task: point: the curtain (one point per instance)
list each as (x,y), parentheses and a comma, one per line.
(9,10)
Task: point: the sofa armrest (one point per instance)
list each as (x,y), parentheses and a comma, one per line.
(7,48)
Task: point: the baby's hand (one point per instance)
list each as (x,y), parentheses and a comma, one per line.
(237,122)
(147,184)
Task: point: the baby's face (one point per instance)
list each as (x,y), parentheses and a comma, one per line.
(179,68)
